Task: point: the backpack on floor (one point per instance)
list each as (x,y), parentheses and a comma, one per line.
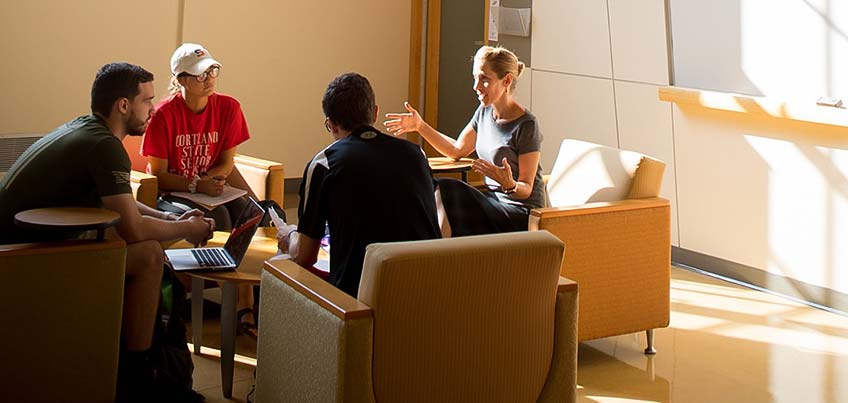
(169,355)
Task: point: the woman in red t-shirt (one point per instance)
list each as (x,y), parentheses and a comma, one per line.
(192,137)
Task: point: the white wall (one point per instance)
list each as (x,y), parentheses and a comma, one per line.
(768,193)
(596,69)
(278,58)
(765,192)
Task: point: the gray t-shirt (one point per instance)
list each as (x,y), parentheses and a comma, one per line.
(511,139)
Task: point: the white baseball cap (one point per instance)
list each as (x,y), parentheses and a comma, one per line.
(191,58)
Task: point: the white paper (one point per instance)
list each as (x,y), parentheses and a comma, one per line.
(275,218)
(229,194)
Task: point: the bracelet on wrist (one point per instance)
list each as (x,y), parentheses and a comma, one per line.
(288,236)
(192,187)
(511,190)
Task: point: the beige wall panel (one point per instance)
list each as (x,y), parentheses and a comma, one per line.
(637,29)
(644,125)
(278,58)
(574,107)
(764,192)
(524,89)
(571,36)
(51,51)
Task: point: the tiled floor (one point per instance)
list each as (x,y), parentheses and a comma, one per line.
(726,344)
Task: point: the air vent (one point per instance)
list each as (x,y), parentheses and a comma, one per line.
(12,146)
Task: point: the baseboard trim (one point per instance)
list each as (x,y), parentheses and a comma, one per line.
(816,296)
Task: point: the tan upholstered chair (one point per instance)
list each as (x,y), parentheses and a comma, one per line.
(61,320)
(618,232)
(474,319)
(265,178)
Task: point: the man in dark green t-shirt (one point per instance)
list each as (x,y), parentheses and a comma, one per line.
(83,164)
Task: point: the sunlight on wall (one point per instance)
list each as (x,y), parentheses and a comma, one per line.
(801,210)
(795,48)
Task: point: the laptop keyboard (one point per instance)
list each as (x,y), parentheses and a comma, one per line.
(210,257)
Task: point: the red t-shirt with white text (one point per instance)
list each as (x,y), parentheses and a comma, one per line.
(192,142)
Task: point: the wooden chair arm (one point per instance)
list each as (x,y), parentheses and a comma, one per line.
(145,188)
(317,290)
(257,162)
(68,246)
(564,284)
(597,208)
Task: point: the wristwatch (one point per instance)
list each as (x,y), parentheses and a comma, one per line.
(192,187)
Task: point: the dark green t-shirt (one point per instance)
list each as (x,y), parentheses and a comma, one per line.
(73,166)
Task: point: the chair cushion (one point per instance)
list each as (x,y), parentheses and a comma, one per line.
(462,319)
(586,172)
(648,179)
(133,146)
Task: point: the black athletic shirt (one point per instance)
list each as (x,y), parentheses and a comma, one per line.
(73,166)
(367,187)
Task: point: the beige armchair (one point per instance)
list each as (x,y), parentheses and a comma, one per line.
(474,319)
(61,320)
(265,178)
(618,232)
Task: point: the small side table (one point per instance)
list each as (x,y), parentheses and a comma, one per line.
(262,247)
(248,272)
(444,165)
(68,219)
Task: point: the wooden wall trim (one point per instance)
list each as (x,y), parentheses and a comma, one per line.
(416,25)
(804,111)
(431,92)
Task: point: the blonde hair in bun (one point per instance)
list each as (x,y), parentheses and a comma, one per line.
(501,61)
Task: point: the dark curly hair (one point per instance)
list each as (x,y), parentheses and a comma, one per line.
(349,101)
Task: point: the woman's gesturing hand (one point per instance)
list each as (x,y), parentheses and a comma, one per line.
(400,123)
(501,174)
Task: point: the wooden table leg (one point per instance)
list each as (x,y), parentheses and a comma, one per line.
(228,336)
(197,313)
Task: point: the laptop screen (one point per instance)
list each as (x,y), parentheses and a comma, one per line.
(244,229)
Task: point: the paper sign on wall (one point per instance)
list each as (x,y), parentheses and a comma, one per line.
(494,17)
(514,21)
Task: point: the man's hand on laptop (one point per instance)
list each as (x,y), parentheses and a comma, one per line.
(191,213)
(201,229)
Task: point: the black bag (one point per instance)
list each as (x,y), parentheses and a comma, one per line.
(169,354)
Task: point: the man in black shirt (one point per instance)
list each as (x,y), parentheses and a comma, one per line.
(83,164)
(366,187)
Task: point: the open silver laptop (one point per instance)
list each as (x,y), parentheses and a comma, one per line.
(221,259)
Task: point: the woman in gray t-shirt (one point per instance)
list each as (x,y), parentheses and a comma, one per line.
(507,139)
